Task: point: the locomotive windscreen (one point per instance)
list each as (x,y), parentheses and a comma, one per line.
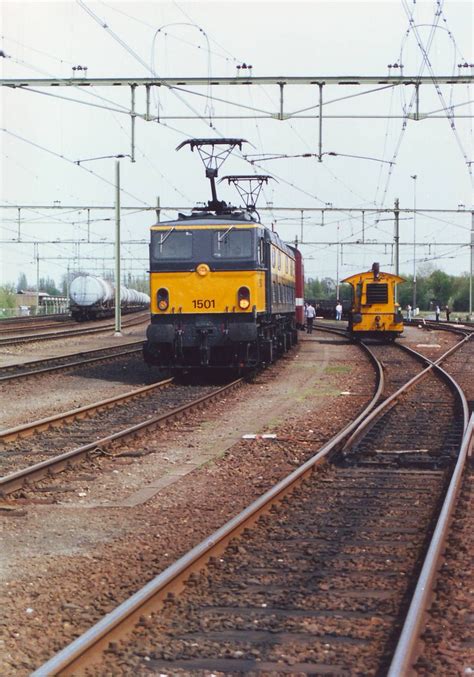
(172,244)
(235,244)
(377,293)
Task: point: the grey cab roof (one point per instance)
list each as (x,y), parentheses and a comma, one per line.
(225,221)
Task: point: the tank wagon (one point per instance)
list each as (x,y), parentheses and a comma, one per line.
(374,310)
(226,292)
(93,297)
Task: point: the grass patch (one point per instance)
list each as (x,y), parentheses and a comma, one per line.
(338,369)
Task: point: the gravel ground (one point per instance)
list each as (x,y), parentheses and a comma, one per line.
(46,395)
(448,645)
(69,344)
(448,637)
(82,547)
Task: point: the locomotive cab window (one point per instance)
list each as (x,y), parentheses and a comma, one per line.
(172,244)
(232,244)
(377,293)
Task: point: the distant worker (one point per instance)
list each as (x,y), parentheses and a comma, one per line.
(448,313)
(310,314)
(339,311)
(408,312)
(437,313)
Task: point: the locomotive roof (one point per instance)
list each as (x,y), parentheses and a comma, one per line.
(208,221)
(369,275)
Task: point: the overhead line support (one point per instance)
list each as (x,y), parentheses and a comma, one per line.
(344,80)
(320,145)
(133,116)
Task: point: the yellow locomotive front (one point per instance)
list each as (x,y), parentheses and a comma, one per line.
(375,311)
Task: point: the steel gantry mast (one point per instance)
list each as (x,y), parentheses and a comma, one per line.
(191,85)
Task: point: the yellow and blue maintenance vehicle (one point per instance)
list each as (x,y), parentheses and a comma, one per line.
(374,309)
(224,288)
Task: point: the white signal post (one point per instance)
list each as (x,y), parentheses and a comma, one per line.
(472,265)
(414,177)
(118,313)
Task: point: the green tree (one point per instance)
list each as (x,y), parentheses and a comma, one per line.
(459,300)
(22,284)
(313,289)
(440,287)
(7,298)
(48,285)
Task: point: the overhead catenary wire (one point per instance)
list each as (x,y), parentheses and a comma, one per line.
(66,159)
(449,114)
(410,106)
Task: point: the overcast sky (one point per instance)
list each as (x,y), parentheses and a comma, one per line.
(43,135)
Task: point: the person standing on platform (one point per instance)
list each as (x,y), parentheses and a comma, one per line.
(437,313)
(310,314)
(339,310)
(448,313)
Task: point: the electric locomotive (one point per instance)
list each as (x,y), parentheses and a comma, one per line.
(374,311)
(226,292)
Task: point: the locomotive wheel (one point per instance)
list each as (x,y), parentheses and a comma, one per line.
(267,351)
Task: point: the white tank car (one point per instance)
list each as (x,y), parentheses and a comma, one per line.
(93,297)
(87,290)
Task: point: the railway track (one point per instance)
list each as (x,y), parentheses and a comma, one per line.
(52,335)
(50,365)
(442,325)
(317,575)
(74,433)
(17,325)
(23,319)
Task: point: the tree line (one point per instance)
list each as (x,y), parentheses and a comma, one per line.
(433,287)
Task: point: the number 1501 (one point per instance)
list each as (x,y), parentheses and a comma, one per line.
(204,303)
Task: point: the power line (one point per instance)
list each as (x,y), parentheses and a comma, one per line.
(63,157)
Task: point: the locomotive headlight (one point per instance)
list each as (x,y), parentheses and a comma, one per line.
(162,299)
(243,297)
(202,269)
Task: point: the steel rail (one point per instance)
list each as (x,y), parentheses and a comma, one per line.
(391,401)
(40,425)
(455,327)
(62,334)
(73,656)
(23,328)
(69,365)
(406,651)
(22,319)
(454,385)
(12,482)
